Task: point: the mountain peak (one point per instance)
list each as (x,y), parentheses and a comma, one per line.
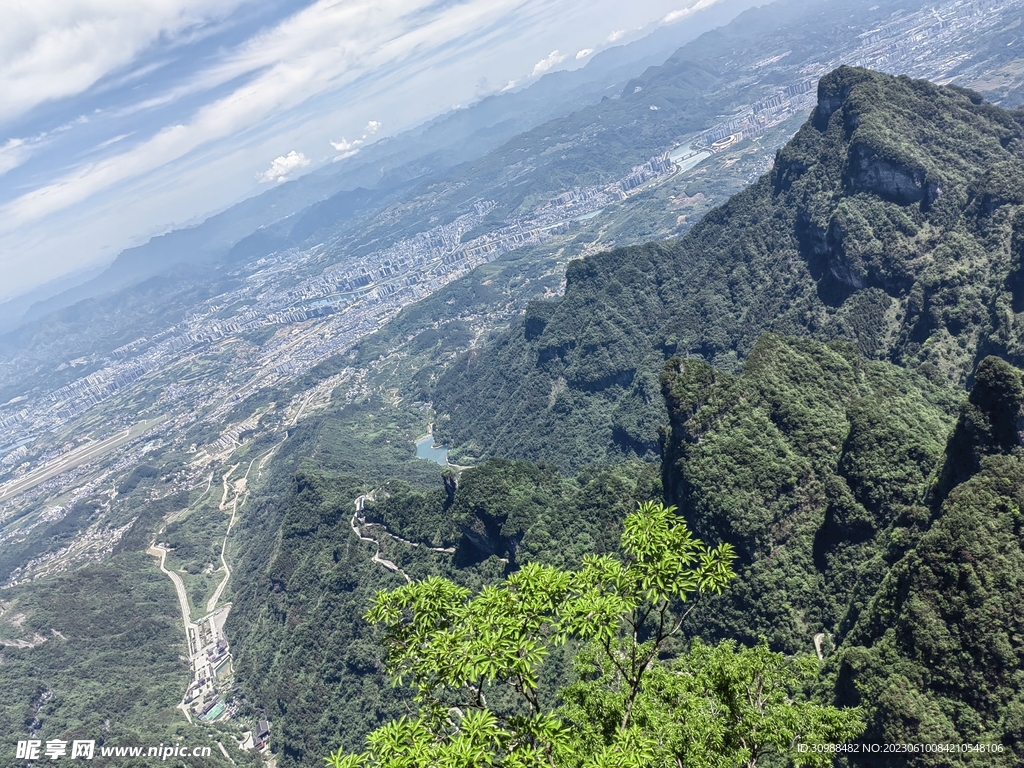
(892,219)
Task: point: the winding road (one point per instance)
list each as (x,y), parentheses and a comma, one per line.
(191,630)
(359,522)
(240,486)
(360,500)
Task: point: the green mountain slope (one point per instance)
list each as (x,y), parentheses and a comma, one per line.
(891,220)
(937,656)
(818,330)
(866,521)
(871,525)
(303,650)
(814,464)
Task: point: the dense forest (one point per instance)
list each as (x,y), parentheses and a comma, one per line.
(750,496)
(860,511)
(819,377)
(305,651)
(890,220)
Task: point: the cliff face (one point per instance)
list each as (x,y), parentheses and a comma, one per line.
(990,423)
(889,180)
(938,652)
(859,510)
(893,220)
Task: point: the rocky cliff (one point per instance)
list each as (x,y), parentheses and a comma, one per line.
(891,220)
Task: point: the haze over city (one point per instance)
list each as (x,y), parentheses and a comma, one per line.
(449,383)
(121,120)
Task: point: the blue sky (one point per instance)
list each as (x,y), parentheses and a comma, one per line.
(120,118)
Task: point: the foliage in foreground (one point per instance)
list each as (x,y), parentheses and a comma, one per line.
(474,665)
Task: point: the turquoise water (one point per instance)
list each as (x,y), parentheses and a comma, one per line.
(214,713)
(425,449)
(590,215)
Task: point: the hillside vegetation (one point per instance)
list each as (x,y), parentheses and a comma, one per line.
(824,367)
(938,652)
(304,580)
(862,515)
(892,220)
(814,463)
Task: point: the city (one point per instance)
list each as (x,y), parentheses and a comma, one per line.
(183,389)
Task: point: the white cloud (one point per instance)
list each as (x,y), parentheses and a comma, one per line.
(55,48)
(299,82)
(682,13)
(16,150)
(321,48)
(345,146)
(509,86)
(552,59)
(584,53)
(114,140)
(12,154)
(282,167)
(349,148)
(618,34)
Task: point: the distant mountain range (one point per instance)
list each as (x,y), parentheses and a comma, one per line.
(386,165)
(865,514)
(796,364)
(824,372)
(890,221)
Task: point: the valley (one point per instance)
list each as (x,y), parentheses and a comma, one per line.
(246,430)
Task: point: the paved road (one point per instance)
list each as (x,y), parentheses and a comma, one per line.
(74,458)
(360,500)
(212,602)
(191,630)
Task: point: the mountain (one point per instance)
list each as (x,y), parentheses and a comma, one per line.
(806,462)
(811,412)
(870,526)
(549,142)
(872,522)
(816,460)
(303,650)
(890,220)
(737,73)
(937,653)
(806,375)
(389,164)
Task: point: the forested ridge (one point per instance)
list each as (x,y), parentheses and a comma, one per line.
(820,377)
(861,511)
(892,219)
(864,510)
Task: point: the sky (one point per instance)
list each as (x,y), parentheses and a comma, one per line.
(122,119)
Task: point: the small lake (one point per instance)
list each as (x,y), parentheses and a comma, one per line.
(588,216)
(425,449)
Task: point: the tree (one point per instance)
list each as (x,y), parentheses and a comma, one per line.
(473,664)
(713,707)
